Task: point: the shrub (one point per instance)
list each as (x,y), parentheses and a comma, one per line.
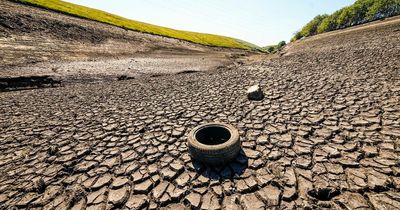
(281,44)
(271,49)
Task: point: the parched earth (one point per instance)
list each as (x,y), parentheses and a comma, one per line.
(326,136)
(39,42)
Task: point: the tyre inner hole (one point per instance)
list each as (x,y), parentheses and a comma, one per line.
(213,135)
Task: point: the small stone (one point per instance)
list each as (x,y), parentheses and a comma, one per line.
(255,93)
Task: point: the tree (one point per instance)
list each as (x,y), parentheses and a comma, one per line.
(382,8)
(311,28)
(296,36)
(361,11)
(270,49)
(281,44)
(345,17)
(325,25)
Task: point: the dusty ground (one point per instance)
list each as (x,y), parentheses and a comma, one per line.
(327,135)
(98,70)
(39,42)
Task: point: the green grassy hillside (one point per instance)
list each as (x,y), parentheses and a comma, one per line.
(104,17)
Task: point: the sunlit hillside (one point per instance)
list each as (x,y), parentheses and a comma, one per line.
(101,16)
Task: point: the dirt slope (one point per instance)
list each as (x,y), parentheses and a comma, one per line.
(45,42)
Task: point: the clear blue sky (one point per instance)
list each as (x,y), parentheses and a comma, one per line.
(262,22)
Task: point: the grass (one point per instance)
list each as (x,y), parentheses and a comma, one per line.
(104,17)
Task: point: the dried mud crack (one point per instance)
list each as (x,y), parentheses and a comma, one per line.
(326,135)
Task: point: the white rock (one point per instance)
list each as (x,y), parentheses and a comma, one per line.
(255,93)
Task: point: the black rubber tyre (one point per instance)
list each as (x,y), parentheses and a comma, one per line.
(217,154)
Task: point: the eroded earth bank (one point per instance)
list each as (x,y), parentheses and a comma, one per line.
(326,136)
(36,42)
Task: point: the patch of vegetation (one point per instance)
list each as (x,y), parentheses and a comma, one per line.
(104,17)
(362,11)
(274,48)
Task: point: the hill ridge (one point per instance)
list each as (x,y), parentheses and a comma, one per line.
(115,20)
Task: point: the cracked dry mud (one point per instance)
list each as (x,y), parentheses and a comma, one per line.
(327,134)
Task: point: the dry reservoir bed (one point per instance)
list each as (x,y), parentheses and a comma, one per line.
(327,134)
(101,69)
